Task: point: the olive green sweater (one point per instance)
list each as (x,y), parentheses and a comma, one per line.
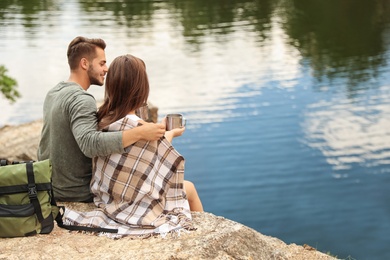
(70,139)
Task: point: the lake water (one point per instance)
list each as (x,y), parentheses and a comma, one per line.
(287,102)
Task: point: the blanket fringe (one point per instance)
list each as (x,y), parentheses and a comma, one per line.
(185,226)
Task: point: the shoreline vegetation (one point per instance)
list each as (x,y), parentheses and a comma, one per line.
(8,85)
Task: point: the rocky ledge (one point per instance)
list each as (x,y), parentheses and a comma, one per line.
(215,237)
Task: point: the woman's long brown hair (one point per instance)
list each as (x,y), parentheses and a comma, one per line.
(127,88)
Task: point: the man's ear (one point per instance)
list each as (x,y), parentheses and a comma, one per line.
(84,63)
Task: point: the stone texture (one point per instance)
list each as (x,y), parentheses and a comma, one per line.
(20,143)
(215,237)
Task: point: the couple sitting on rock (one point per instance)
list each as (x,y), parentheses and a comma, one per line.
(136,179)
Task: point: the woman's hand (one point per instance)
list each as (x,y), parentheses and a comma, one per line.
(169,135)
(177,131)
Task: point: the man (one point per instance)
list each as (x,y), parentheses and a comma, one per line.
(69,136)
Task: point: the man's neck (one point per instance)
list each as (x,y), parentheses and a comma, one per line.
(82,81)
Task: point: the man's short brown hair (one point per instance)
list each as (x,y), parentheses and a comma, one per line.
(82,47)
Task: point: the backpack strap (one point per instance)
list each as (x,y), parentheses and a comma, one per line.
(3,162)
(32,191)
(61,224)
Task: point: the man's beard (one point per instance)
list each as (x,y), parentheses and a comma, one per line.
(93,79)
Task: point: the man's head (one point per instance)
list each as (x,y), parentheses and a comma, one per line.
(88,54)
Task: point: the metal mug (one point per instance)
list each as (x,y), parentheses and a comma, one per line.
(143,112)
(175,121)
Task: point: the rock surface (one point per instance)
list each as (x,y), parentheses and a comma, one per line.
(215,237)
(20,143)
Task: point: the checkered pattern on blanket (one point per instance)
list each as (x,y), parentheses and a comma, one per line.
(138,192)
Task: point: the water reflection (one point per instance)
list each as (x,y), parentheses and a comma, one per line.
(337,41)
(341,39)
(349,133)
(30,14)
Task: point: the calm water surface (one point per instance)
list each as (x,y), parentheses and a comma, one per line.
(288,102)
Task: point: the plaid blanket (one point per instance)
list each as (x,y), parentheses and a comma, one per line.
(139,192)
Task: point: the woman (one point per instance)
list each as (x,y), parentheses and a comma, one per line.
(127,89)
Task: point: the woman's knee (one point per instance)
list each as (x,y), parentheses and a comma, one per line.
(189,185)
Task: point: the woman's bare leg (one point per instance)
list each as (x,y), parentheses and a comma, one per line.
(192,196)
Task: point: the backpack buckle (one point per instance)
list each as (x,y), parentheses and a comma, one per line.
(32,192)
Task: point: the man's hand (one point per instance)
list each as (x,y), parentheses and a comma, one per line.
(152,131)
(147,131)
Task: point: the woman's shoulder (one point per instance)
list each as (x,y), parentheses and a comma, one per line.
(124,123)
(133,117)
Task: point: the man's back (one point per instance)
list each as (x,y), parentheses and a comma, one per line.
(70,138)
(64,105)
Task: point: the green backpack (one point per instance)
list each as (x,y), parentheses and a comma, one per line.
(27,205)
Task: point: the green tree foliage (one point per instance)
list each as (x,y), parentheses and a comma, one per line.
(8,85)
